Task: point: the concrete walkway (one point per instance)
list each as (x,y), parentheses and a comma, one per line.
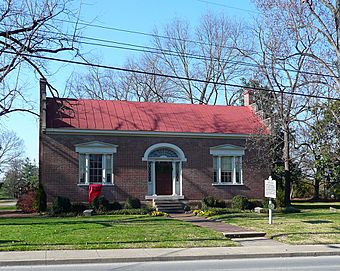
(227,230)
(161,254)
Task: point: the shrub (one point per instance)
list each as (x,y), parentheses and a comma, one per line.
(280,198)
(132,203)
(210,201)
(79,208)
(114,206)
(40,201)
(196,212)
(26,202)
(131,212)
(255,203)
(187,208)
(216,211)
(158,213)
(61,205)
(100,204)
(240,202)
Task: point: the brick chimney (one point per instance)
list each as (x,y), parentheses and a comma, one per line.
(248,97)
(42,125)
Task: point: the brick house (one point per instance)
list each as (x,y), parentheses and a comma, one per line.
(147,150)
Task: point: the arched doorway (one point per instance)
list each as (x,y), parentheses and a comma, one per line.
(164,170)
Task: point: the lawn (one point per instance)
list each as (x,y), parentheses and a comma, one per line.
(7,208)
(314,225)
(103,232)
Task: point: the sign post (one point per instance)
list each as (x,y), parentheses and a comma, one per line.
(270,192)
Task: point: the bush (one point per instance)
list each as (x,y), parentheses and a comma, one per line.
(255,203)
(218,211)
(131,212)
(40,201)
(132,203)
(114,206)
(158,213)
(196,212)
(26,202)
(187,208)
(61,205)
(100,204)
(79,208)
(240,203)
(280,198)
(211,202)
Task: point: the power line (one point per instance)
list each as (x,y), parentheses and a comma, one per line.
(81,22)
(152,50)
(227,6)
(172,76)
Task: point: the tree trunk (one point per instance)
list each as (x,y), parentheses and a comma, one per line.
(337,25)
(316,188)
(286,158)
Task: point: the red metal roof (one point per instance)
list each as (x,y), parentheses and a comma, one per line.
(157,117)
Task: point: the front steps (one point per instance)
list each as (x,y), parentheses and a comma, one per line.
(169,206)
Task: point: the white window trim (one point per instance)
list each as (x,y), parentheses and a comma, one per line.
(96,147)
(228,151)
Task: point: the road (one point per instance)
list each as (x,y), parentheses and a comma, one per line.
(330,263)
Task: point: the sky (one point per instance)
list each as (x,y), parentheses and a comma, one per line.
(132,15)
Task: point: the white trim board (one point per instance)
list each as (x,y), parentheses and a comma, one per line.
(63,131)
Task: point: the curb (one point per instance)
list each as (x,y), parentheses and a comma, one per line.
(169,258)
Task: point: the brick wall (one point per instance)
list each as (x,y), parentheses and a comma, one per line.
(60,167)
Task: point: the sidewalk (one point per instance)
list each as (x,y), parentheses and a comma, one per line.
(162,254)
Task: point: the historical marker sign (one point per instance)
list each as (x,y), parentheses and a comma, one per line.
(270,188)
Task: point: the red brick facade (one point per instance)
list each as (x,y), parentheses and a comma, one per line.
(59,167)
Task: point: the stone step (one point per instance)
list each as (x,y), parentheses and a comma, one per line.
(169,206)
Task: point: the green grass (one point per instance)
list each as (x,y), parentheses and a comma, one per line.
(7,208)
(314,225)
(101,232)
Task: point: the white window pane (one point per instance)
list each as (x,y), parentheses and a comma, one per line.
(215,167)
(82,168)
(108,162)
(238,166)
(226,163)
(96,168)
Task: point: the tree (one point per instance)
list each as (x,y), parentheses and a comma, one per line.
(324,143)
(28,30)
(281,62)
(317,21)
(11,148)
(98,84)
(207,53)
(22,176)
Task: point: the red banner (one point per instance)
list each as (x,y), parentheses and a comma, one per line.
(94,191)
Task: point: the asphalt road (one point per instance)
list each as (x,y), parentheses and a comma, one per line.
(330,263)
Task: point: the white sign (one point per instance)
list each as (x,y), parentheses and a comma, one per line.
(270,188)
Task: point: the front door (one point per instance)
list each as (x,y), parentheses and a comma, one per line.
(163,178)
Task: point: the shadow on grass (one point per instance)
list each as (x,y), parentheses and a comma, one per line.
(303,233)
(316,206)
(67,221)
(9,243)
(317,221)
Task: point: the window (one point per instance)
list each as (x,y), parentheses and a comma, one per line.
(227,170)
(96,162)
(227,164)
(95,168)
